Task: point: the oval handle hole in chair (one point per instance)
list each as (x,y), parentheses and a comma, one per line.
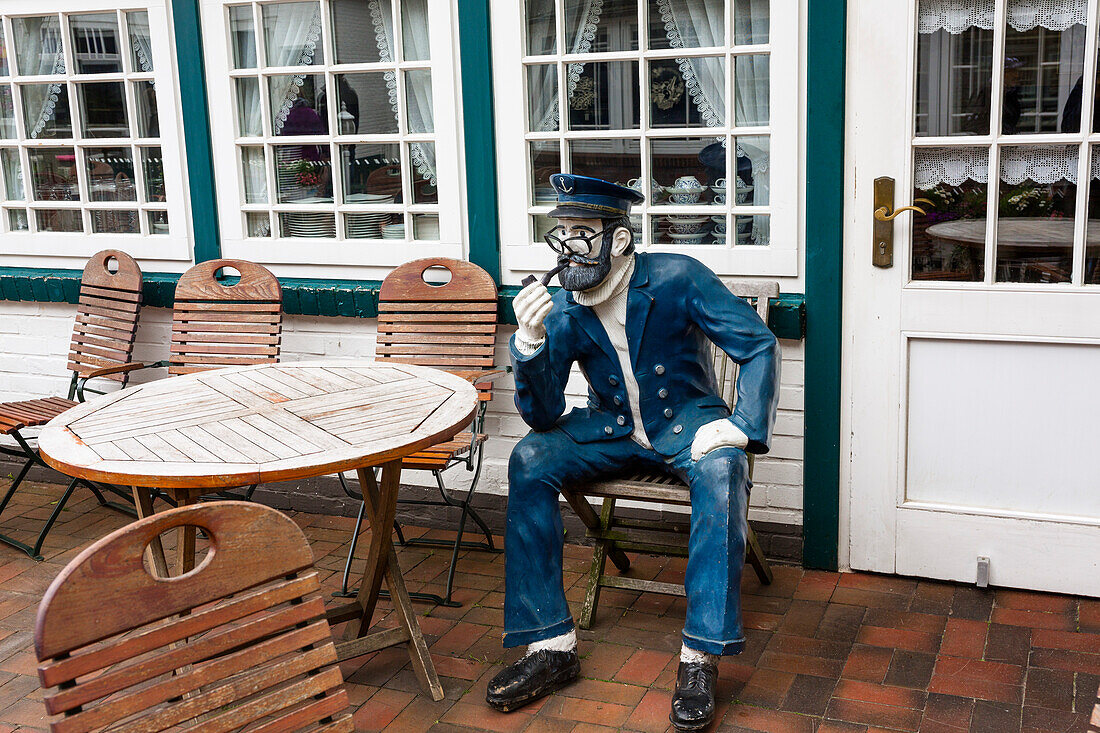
(227,271)
(169,541)
(437,276)
(111,265)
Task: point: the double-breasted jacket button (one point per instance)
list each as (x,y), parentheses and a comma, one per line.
(659,369)
(668,413)
(677,429)
(621,420)
(607,429)
(617,400)
(662,393)
(613,380)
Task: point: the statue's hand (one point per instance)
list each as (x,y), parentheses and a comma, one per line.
(532,305)
(717,434)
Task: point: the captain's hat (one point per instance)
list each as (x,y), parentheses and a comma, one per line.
(583,197)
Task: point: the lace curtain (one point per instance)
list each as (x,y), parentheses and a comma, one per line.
(956,16)
(39,51)
(1044,164)
(543,80)
(292,35)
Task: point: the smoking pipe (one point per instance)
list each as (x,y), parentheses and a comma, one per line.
(545,278)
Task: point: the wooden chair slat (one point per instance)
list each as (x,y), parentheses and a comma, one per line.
(394,337)
(129,296)
(387,318)
(123,326)
(116,308)
(90,338)
(198,346)
(213,357)
(224,338)
(482,328)
(109,353)
(203,308)
(476,350)
(239,641)
(186,327)
(198,318)
(456,362)
(457,306)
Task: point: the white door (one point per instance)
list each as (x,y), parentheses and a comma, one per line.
(971,402)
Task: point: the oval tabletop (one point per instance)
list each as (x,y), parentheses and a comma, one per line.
(1016,232)
(257,424)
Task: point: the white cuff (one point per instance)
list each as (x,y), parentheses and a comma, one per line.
(526,347)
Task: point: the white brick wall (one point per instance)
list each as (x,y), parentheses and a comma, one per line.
(34,341)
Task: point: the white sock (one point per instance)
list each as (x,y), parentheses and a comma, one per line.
(566,642)
(689,656)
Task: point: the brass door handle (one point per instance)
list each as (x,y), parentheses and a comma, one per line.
(883,213)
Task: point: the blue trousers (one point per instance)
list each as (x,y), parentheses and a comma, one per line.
(542,463)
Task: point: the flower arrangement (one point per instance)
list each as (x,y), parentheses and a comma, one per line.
(969,202)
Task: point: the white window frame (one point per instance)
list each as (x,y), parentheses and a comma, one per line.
(70,249)
(523,253)
(324,257)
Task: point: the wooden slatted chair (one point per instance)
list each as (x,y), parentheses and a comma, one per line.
(615,534)
(103,342)
(239,641)
(453,327)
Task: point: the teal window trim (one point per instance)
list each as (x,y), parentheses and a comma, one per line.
(203,205)
(824,253)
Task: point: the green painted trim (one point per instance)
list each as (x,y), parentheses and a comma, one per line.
(302,296)
(478,141)
(824,250)
(196,129)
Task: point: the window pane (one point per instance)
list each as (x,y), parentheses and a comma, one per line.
(395,229)
(698,161)
(59,220)
(949,243)
(686,23)
(753,231)
(684,230)
(303,174)
(613,160)
(145,98)
(110,173)
(363,31)
(292,34)
(418,100)
(957,102)
(53,174)
(372,173)
(753,165)
(46,110)
(541,27)
(415,44)
(242,29)
(17,220)
(608,26)
(3,56)
(113,221)
(367,225)
(751,95)
(95,46)
(1035,214)
(13,174)
(687,94)
(426,226)
(254,170)
(249,120)
(7,113)
(103,109)
(153,165)
(38,48)
(422,157)
(1092,239)
(258,225)
(158,222)
(141,47)
(545,162)
(542,97)
(296,101)
(604,96)
(750,22)
(1042,80)
(310,225)
(368,103)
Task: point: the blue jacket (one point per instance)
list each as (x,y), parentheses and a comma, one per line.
(675,309)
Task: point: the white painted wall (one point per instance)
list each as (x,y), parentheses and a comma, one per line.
(34,342)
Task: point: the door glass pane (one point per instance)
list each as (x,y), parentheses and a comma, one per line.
(608,26)
(687,23)
(38,48)
(1092,244)
(292,34)
(949,242)
(1035,214)
(954,74)
(141,47)
(95,46)
(1042,74)
(110,174)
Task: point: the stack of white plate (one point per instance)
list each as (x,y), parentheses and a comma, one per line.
(427,228)
(393,231)
(300,224)
(368,198)
(367,226)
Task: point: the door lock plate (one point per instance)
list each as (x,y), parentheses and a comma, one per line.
(883,232)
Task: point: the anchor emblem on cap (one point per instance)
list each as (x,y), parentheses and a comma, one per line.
(559,183)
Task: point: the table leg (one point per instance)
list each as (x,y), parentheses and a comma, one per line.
(185,538)
(143,502)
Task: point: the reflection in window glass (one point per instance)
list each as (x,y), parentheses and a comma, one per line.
(53,174)
(296,104)
(598,27)
(422,157)
(115,221)
(257,225)
(158,222)
(152,164)
(687,23)
(541,27)
(357,29)
(17,220)
(698,100)
(415,43)
(604,96)
(958,101)
(372,173)
(307,225)
(426,227)
(7,113)
(46,111)
(689,164)
(59,220)
(418,99)
(751,22)
(1092,241)
(103,109)
(255,175)
(542,97)
(3,56)
(249,120)
(110,174)
(141,47)
(1042,80)
(1035,214)
(303,174)
(292,34)
(751,90)
(949,242)
(95,46)
(145,101)
(753,184)
(355,113)
(13,174)
(613,160)
(38,47)
(242,31)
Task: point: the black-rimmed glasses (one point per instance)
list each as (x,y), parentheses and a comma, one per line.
(577,244)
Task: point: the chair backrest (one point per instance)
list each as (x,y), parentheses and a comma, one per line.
(451,326)
(106,313)
(240,638)
(758,293)
(219,325)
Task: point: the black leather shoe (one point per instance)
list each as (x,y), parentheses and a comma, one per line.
(693,703)
(532,677)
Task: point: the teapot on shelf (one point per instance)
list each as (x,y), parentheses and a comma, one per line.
(655,189)
(688,183)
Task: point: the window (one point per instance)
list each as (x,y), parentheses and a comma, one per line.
(653,94)
(87,125)
(334,129)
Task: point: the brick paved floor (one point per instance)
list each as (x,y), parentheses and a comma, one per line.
(826,652)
